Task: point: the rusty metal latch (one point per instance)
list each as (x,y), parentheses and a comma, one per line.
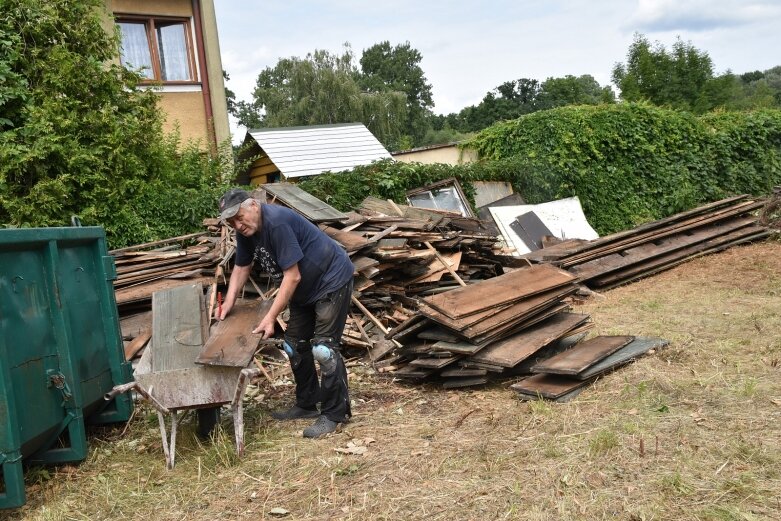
(57,380)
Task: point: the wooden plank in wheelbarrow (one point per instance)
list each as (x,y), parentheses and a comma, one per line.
(232,342)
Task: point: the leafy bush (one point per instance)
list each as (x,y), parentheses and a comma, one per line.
(627,163)
(79,137)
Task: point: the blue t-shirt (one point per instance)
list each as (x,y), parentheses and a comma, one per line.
(286,238)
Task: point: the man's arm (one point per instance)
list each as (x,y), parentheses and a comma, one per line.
(290,279)
(239,277)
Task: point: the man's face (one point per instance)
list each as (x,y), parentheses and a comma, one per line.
(246,220)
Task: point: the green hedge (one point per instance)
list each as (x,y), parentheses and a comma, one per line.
(627,163)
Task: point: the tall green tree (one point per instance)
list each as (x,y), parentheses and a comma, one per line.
(513,99)
(78,135)
(397,69)
(674,78)
(322,88)
(762,88)
(572,90)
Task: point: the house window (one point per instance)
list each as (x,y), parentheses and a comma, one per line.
(160,48)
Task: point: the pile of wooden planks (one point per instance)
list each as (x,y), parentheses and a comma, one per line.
(145,268)
(564,375)
(400,251)
(659,245)
(489,327)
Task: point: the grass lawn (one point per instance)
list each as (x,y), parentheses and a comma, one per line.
(692,431)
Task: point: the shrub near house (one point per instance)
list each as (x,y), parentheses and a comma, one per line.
(77,135)
(628,163)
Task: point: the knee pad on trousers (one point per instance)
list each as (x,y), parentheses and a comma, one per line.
(326,357)
(292,354)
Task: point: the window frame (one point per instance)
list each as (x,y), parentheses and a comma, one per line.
(151,38)
(452,187)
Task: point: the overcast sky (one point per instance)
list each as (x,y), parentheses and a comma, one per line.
(470,47)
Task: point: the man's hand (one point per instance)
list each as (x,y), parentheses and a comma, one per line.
(266,326)
(226,308)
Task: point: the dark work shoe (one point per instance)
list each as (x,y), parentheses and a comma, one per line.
(294,413)
(320,427)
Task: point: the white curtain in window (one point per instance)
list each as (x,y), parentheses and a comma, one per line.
(135,48)
(172,44)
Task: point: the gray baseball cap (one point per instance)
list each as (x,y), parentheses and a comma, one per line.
(230,202)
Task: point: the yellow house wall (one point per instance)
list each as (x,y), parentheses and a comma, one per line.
(447,155)
(214,65)
(182,8)
(188,108)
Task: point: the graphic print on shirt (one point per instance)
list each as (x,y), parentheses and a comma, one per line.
(267,262)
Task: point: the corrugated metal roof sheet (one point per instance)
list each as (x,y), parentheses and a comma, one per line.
(301,151)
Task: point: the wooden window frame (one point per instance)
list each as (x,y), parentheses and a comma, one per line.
(151,38)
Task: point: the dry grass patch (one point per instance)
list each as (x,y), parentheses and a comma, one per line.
(690,432)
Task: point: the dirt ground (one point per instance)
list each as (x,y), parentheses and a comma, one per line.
(692,431)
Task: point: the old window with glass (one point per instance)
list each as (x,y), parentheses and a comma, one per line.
(443,195)
(159,48)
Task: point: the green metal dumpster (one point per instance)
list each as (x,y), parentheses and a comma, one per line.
(60,348)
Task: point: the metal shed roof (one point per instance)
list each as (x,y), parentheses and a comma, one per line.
(301,151)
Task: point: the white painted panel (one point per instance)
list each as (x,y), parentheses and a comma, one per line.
(564,218)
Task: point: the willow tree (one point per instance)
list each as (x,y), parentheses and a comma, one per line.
(323,88)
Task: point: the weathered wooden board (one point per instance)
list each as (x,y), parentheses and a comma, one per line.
(513,350)
(351,241)
(469,364)
(552,349)
(473,345)
(178,327)
(520,312)
(459,346)
(646,251)
(633,350)
(191,387)
(549,386)
(361,263)
(647,230)
(582,355)
(402,329)
(503,289)
(434,363)
(564,398)
(232,342)
(137,344)
(147,262)
(455,383)
(392,244)
(411,372)
(436,269)
(304,203)
(381,349)
(684,226)
(670,260)
(438,333)
(157,273)
(479,323)
(511,328)
(145,290)
(462,372)
(134,325)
